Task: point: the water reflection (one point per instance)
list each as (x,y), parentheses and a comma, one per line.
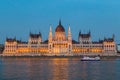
(98,70)
(58,69)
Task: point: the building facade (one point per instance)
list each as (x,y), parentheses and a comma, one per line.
(60,44)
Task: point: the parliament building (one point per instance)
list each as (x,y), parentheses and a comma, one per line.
(60,44)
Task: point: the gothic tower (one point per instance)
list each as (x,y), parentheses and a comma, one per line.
(69,41)
(50,40)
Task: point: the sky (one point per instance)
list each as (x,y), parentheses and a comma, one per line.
(20,17)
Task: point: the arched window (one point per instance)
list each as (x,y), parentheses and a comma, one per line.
(69,46)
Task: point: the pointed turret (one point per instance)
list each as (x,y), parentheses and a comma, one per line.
(50,40)
(40,34)
(60,22)
(69,34)
(113,36)
(50,34)
(79,32)
(79,35)
(89,33)
(69,41)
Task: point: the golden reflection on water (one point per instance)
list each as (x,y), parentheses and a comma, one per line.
(57,69)
(60,68)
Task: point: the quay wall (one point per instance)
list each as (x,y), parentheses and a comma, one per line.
(74,55)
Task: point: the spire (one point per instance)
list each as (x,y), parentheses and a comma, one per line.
(89,32)
(30,33)
(50,34)
(50,28)
(113,36)
(104,38)
(69,30)
(14,38)
(59,21)
(40,34)
(79,35)
(69,34)
(79,32)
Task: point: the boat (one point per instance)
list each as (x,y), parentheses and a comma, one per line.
(86,58)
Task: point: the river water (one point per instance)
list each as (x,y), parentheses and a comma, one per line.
(58,69)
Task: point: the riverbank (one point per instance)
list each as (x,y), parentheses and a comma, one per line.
(60,55)
(76,58)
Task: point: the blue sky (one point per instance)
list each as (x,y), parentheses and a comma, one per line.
(19,17)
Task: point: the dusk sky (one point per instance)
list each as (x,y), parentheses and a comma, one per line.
(19,17)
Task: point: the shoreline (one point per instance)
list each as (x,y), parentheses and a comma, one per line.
(103,58)
(60,56)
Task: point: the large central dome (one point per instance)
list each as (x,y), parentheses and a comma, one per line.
(60,28)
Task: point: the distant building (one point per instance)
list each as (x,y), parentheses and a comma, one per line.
(60,44)
(118,48)
(1,48)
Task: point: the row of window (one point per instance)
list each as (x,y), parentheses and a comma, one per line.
(10,46)
(110,50)
(90,46)
(23,46)
(109,46)
(10,50)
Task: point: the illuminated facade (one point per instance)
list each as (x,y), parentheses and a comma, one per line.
(60,44)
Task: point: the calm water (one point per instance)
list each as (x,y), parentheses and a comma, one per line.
(58,69)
